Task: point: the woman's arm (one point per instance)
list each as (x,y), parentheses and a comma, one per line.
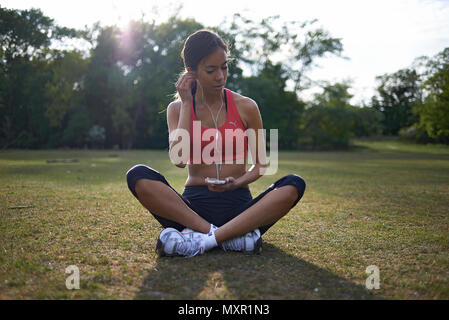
(253,120)
(178,120)
(178,117)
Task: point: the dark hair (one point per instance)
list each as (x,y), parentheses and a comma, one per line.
(199,45)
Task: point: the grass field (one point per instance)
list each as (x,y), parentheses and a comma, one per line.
(383,204)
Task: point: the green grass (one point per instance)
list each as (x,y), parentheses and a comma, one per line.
(384,204)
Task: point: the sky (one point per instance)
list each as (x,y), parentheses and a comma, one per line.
(378,37)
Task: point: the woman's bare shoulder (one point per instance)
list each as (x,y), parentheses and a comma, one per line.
(247,108)
(173,111)
(243,101)
(174,106)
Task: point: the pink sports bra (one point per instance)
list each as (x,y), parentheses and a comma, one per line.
(234,142)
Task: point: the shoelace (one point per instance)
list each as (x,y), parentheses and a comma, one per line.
(189,247)
(236,244)
(188,233)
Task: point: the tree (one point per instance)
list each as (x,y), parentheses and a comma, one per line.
(27,33)
(151,55)
(434,111)
(325,127)
(334,95)
(76,132)
(25,38)
(363,121)
(397,95)
(366,122)
(116,94)
(280,109)
(64,90)
(296,45)
(328,121)
(259,46)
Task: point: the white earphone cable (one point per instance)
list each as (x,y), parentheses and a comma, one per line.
(216,128)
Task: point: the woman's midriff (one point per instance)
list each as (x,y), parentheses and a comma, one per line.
(199,172)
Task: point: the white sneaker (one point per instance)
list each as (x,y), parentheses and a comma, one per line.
(206,238)
(248,243)
(171,242)
(187,232)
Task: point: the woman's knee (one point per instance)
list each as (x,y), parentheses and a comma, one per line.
(298,182)
(141,171)
(290,193)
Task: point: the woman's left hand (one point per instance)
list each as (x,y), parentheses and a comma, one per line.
(229,185)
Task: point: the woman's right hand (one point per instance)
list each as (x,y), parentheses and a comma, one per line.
(184,87)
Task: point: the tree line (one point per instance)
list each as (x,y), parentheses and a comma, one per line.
(114,94)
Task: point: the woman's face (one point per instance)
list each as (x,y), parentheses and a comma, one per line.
(212,71)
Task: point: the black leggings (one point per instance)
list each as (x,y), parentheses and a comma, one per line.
(215,207)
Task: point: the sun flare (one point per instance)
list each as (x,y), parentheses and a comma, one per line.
(121,12)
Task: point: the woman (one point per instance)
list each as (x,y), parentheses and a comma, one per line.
(208,214)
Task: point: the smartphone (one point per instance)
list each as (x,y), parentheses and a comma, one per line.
(215,181)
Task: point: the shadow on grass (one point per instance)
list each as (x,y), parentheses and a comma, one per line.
(273,274)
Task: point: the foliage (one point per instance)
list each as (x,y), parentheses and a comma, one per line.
(51,97)
(326,127)
(76,132)
(25,39)
(331,121)
(434,111)
(27,33)
(296,45)
(64,90)
(366,121)
(97,136)
(415,100)
(280,109)
(124,83)
(397,95)
(258,45)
